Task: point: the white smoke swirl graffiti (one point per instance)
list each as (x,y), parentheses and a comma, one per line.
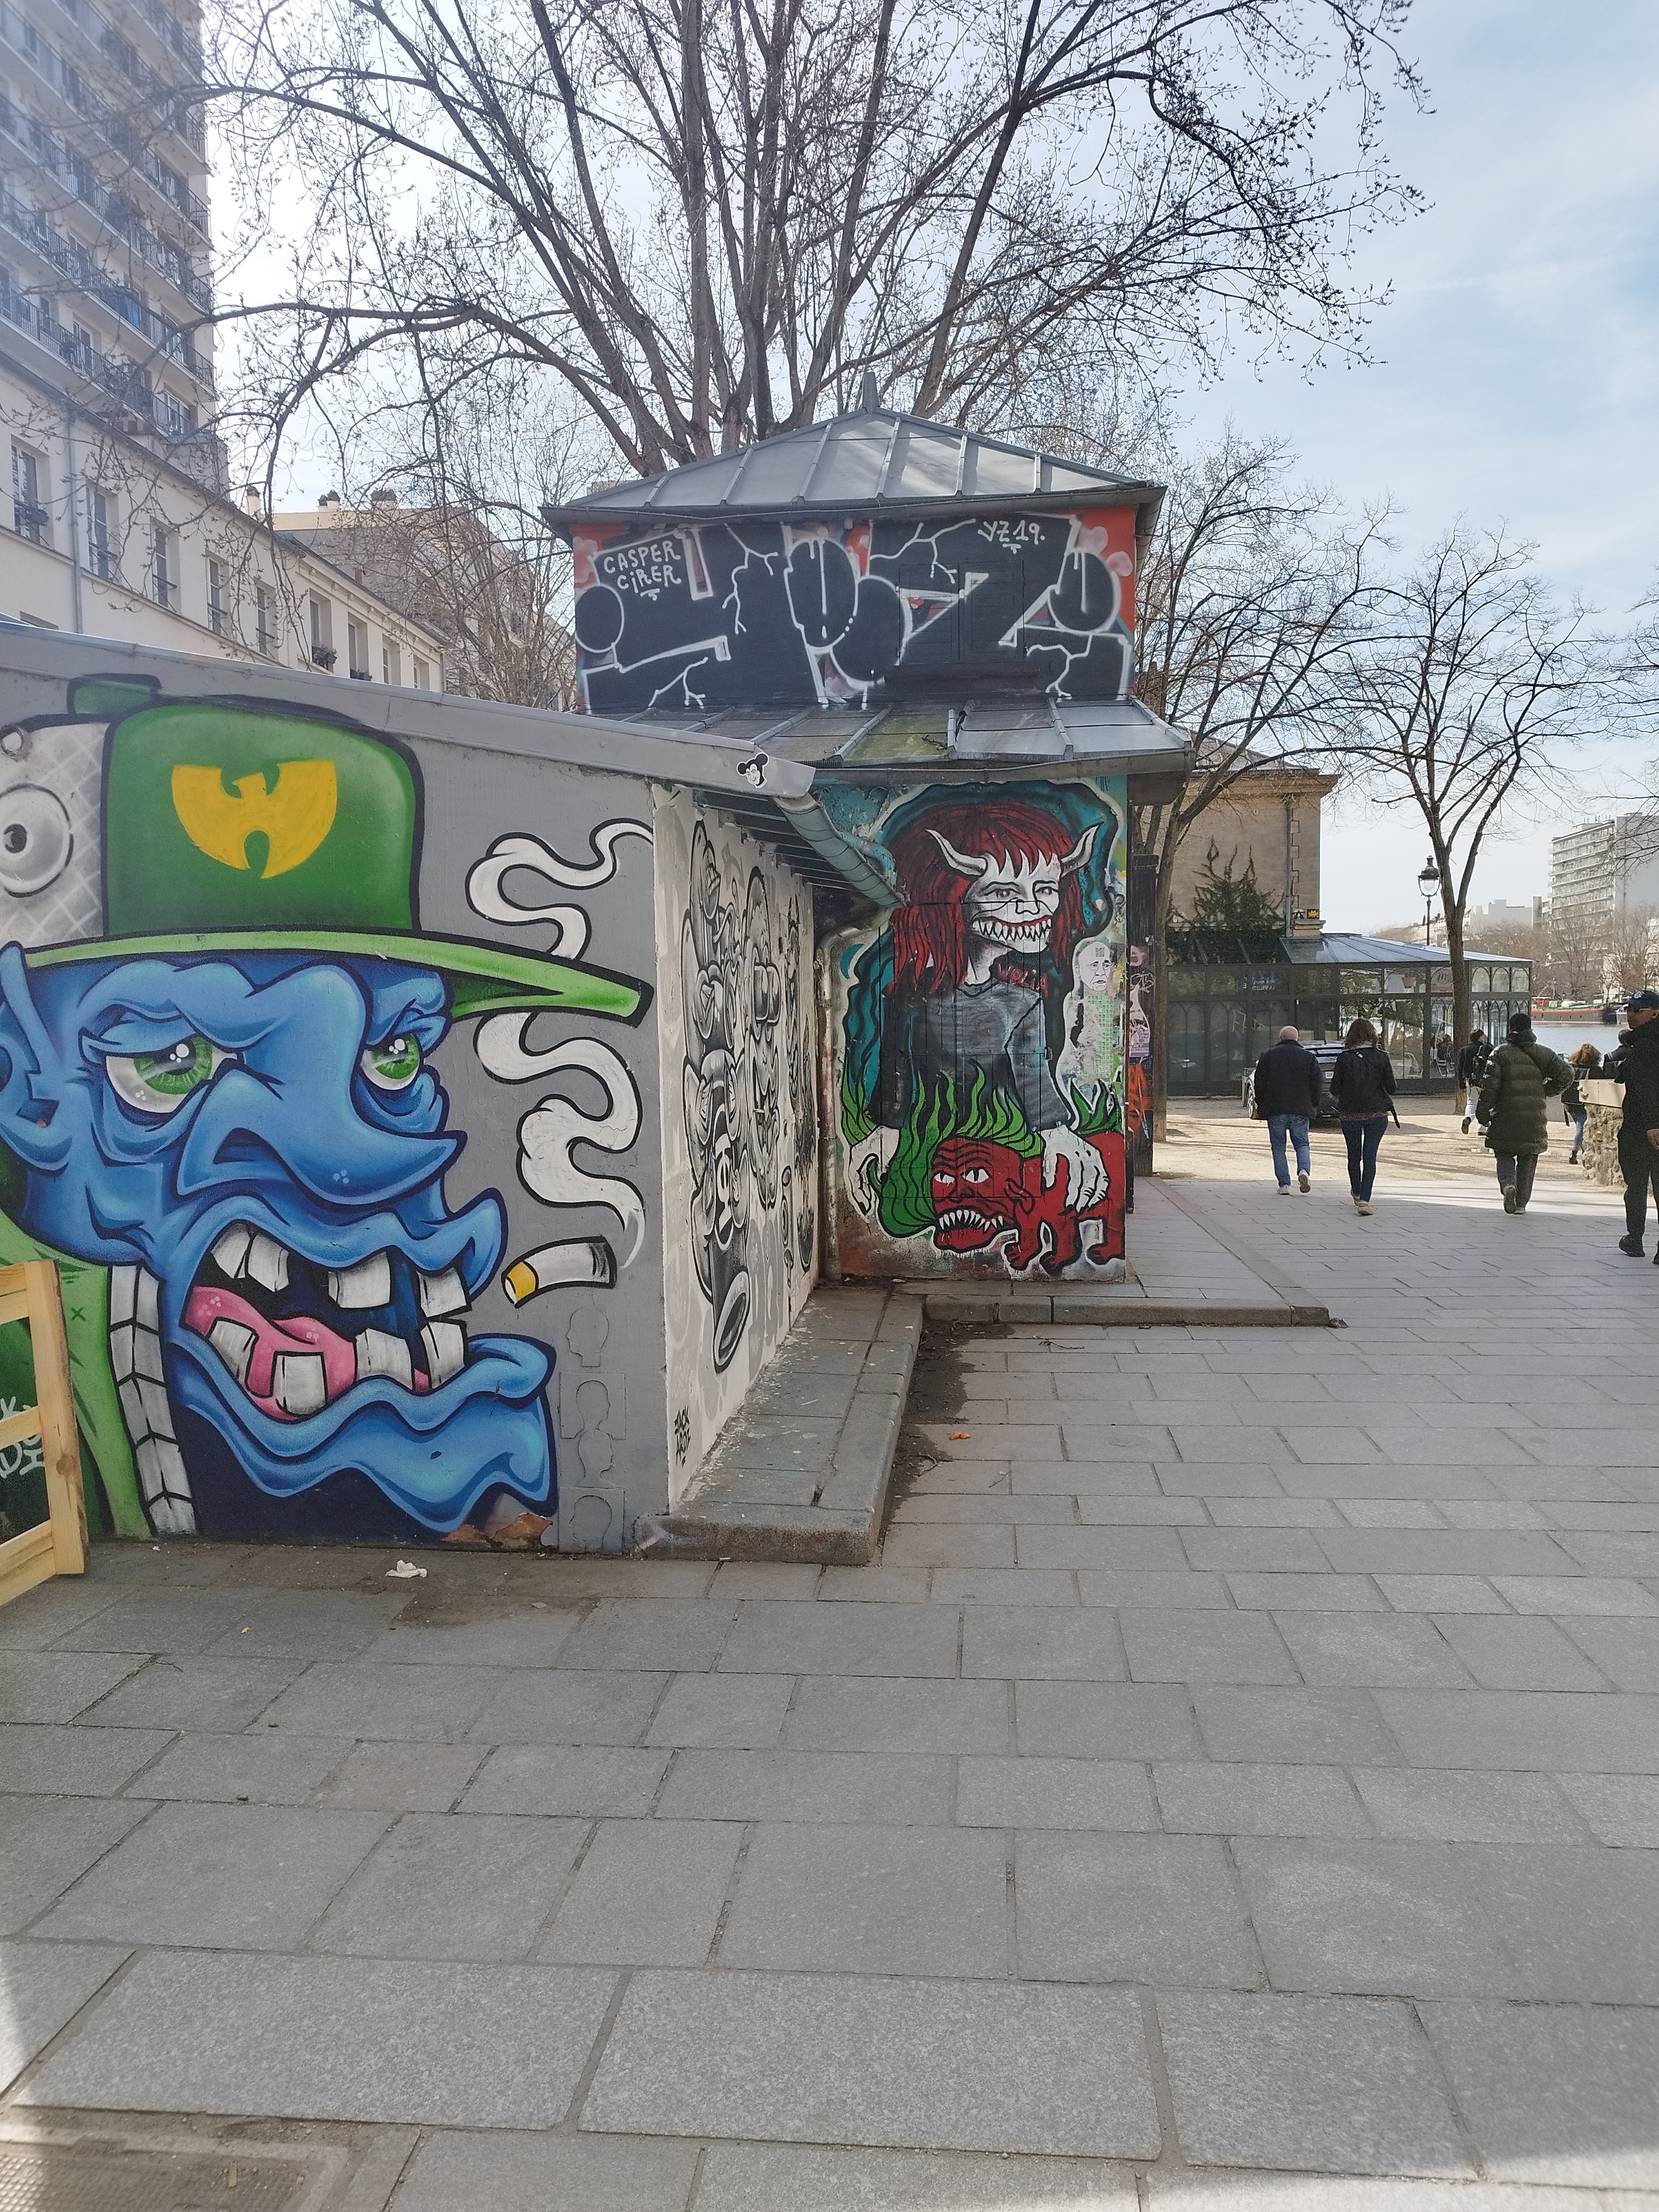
(551,1129)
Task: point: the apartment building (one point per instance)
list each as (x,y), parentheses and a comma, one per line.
(1605,868)
(117,522)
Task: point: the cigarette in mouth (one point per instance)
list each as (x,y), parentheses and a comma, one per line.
(577,1260)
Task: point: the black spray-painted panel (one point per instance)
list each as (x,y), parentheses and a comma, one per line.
(718,615)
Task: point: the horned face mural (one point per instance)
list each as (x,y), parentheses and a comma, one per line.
(981,1061)
(217,1019)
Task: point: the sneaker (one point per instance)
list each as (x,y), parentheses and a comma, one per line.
(1632,1248)
(1284,1190)
(1467,1118)
(1361,1205)
(1510,1204)
(1304,1180)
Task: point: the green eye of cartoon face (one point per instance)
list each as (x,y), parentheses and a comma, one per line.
(160,1082)
(394,1065)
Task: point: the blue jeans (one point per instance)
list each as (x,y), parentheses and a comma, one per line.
(1296,1126)
(1362,1140)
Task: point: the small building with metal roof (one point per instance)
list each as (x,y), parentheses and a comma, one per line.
(925,636)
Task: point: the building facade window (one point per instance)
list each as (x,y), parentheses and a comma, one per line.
(101,518)
(163,568)
(392,664)
(423,675)
(264,628)
(321,615)
(29,517)
(216,595)
(357,650)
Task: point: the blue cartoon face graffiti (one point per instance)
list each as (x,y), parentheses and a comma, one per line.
(217,1014)
(262,1140)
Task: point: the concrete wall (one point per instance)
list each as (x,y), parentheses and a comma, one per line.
(744,614)
(739,1114)
(977,1040)
(328,1063)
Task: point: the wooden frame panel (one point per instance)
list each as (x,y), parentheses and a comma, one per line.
(30,1291)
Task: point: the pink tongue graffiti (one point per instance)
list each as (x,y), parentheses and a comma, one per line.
(300,1333)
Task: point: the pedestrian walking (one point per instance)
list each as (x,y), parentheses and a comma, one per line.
(1286,1087)
(1471,1066)
(1361,1084)
(1635,1065)
(1586,1064)
(1521,1075)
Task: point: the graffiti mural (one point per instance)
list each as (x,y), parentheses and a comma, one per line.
(221,1019)
(740,613)
(740,1138)
(980,1050)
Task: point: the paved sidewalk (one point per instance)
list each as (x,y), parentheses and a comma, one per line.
(1239,1778)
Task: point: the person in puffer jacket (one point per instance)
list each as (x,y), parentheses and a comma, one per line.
(1521,1077)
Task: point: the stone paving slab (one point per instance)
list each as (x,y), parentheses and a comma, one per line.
(333,2038)
(863,2059)
(1325,1820)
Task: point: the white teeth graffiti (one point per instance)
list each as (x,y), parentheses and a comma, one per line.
(299,1382)
(235,1346)
(377,1354)
(445,1349)
(135,1352)
(440,1295)
(267,1261)
(368,1283)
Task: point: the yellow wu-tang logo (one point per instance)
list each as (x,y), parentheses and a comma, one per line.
(294,815)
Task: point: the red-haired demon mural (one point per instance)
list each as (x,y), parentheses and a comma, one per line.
(980,1047)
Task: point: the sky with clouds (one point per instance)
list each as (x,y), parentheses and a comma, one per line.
(1515,377)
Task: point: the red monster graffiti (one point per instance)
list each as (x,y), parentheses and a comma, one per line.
(983,1191)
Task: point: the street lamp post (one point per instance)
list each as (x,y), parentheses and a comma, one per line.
(1428,882)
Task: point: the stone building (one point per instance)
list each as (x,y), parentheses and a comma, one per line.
(1268,820)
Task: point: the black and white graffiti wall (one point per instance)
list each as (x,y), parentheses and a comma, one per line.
(723,614)
(739,1118)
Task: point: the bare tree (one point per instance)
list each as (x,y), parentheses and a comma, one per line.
(446,526)
(1629,948)
(1245,617)
(1467,677)
(709,221)
(1574,950)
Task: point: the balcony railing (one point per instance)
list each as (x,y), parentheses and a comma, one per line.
(72,261)
(30,522)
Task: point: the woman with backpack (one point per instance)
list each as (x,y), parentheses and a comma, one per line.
(1361,1084)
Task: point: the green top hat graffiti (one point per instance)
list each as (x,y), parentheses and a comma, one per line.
(230,828)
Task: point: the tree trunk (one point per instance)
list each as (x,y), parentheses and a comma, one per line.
(1161,983)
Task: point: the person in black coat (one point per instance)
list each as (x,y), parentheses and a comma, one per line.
(1361,1084)
(1635,1065)
(1471,1066)
(1286,1090)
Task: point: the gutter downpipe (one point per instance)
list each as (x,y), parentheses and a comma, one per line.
(74,518)
(806,816)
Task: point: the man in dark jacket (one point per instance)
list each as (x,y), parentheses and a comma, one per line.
(1520,1077)
(1635,1065)
(1471,1066)
(1287,1088)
